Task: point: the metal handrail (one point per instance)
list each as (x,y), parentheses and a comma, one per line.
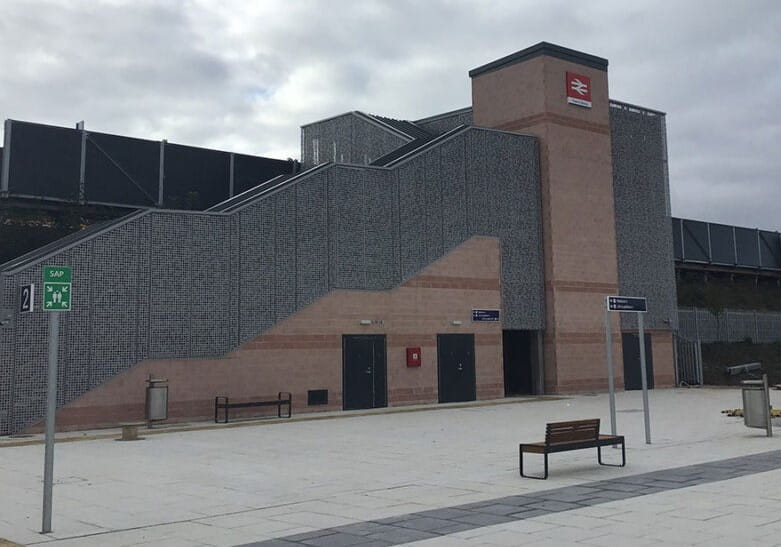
(71,240)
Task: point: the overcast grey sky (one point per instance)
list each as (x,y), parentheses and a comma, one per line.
(244,75)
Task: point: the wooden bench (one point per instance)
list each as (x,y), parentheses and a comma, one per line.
(575,435)
(222,402)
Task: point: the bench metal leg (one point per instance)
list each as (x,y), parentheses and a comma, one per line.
(520,466)
(217,405)
(623,457)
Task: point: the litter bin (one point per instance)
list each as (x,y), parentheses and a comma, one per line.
(156,400)
(756,404)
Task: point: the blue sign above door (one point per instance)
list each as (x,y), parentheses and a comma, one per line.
(485,315)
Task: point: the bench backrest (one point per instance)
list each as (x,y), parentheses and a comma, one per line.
(578,430)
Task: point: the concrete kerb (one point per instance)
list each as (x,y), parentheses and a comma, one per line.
(113,432)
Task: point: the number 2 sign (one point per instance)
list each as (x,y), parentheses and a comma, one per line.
(26,298)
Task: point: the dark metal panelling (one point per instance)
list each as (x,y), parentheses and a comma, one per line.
(748,250)
(695,240)
(111,163)
(517,221)
(722,244)
(770,249)
(335,132)
(249,171)
(284,219)
(348,138)
(194,177)
(178,285)
(30,356)
(45,161)
(379,256)
(206,286)
(432,185)
(311,240)
(257,257)
(142,274)
(370,142)
(500,198)
(347,194)
(8,387)
(677,248)
(412,217)
(169,305)
(729,245)
(453,178)
(109,306)
(446,123)
(644,238)
(235,281)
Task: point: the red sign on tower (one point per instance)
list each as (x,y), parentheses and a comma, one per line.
(578,89)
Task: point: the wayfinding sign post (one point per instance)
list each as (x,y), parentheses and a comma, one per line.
(56,298)
(630,304)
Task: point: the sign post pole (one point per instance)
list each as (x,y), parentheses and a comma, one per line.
(646,415)
(630,304)
(51,408)
(56,298)
(611,386)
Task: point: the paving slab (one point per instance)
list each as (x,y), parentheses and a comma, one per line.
(439,473)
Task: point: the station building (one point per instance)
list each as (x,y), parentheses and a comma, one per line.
(462,256)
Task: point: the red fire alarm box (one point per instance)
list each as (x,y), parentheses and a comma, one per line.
(413,357)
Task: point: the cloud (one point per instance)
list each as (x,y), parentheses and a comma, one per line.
(244,76)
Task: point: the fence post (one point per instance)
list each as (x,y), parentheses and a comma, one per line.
(756,328)
(161,174)
(6,157)
(676,360)
(699,363)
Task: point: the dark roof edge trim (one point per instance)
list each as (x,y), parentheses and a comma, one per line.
(445,115)
(383,125)
(367,118)
(36,256)
(631,107)
(543,48)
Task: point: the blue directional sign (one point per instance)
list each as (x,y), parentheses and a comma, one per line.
(626,303)
(485,315)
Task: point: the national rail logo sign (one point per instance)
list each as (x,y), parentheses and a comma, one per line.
(578,89)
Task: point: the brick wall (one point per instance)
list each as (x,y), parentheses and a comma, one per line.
(305,351)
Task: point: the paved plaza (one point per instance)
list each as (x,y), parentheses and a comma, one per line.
(435,476)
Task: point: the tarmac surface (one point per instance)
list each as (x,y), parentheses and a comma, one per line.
(428,476)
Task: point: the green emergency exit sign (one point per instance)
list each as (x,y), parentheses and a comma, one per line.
(56,288)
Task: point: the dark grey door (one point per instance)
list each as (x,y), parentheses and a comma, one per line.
(364,372)
(456,367)
(517,354)
(631,347)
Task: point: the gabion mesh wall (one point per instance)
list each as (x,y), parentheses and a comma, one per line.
(176,284)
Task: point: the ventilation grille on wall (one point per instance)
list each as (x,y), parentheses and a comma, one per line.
(317,397)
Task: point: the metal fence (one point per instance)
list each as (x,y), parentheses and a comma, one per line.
(729,325)
(700,242)
(688,362)
(61,164)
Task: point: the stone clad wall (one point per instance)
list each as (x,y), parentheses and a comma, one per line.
(643,225)
(357,140)
(186,285)
(304,351)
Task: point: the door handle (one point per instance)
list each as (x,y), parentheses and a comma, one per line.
(460,367)
(368,371)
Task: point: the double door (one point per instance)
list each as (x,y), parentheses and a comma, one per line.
(364,372)
(456,364)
